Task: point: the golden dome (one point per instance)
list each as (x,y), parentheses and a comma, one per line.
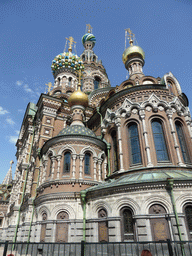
(78,98)
(132,50)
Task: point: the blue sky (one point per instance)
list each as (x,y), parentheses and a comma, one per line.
(33,32)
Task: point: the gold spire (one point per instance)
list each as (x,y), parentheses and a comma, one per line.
(79,72)
(129,35)
(88,28)
(71,41)
(49,85)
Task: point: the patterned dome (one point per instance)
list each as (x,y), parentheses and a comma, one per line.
(77,130)
(88,37)
(67,60)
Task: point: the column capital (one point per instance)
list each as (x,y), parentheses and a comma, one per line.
(118,121)
(169,113)
(58,157)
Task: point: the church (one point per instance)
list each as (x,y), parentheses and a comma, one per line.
(100,163)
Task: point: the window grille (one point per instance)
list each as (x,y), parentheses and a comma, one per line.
(159,141)
(182,142)
(87,163)
(134,144)
(67,162)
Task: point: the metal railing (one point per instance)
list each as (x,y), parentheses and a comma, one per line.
(164,248)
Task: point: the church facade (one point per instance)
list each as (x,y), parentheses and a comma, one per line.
(100,163)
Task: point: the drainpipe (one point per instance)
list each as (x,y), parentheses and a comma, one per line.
(170,188)
(83,197)
(108,157)
(18,220)
(28,239)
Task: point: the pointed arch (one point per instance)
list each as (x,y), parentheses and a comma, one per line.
(66,147)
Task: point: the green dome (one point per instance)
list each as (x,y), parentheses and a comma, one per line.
(77,130)
(145,177)
(132,50)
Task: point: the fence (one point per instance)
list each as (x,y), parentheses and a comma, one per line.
(167,248)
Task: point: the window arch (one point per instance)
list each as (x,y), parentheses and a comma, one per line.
(97,81)
(67,162)
(43,227)
(87,163)
(135,152)
(103,226)
(188,215)
(127,224)
(159,141)
(182,142)
(70,80)
(115,151)
(50,165)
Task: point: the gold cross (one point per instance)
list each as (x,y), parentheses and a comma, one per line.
(71,41)
(131,35)
(49,85)
(89,28)
(79,72)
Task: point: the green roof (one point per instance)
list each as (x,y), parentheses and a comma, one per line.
(77,130)
(144,177)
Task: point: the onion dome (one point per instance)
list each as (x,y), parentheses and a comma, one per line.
(67,60)
(88,37)
(78,98)
(77,130)
(133,51)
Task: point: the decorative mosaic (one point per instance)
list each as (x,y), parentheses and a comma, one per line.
(77,130)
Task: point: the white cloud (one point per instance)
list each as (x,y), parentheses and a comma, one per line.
(10,121)
(13,139)
(21,110)
(27,89)
(19,83)
(3,111)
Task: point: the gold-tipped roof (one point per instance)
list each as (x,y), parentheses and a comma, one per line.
(78,98)
(132,50)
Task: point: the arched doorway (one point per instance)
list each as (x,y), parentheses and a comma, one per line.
(62,227)
(159,224)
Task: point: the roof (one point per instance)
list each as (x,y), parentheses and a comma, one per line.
(77,130)
(144,177)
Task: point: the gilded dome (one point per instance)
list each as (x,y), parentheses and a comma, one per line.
(78,98)
(132,50)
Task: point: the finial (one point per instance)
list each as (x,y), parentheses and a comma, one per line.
(49,85)
(88,28)
(130,36)
(71,41)
(11,163)
(79,72)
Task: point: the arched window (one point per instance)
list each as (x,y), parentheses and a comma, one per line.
(135,152)
(43,227)
(87,163)
(182,142)
(67,162)
(127,224)
(70,79)
(103,226)
(159,141)
(115,151)
(188,215)
(97,81)
(51,164)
